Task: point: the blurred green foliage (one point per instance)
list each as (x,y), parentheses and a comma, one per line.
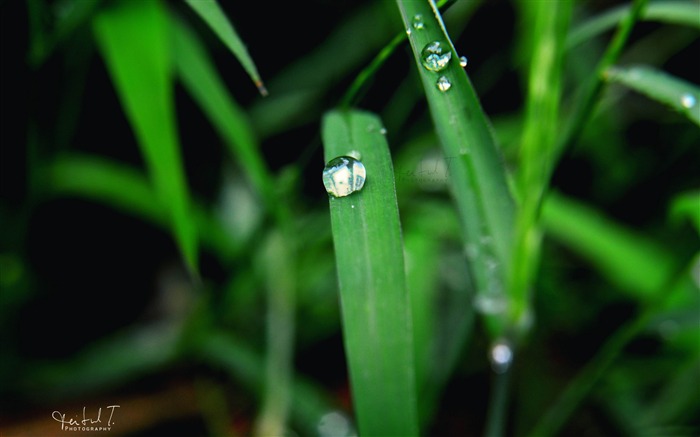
(164,225)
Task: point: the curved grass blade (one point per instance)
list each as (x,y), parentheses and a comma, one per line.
(133,38)
(127,189)
(374,300)
(685,13)
(477,175)
(680,95)
(590,91)
(202,81)
(211,13)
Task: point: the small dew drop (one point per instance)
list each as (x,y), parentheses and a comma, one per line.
(501,356)
(355,154)
(382,131)
(343,176)
(443,84)
(463,61)
(352,206)
(418,22)
(435,56)
(688,100)
(408,31)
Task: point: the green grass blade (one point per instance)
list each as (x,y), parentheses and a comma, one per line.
(374,300)
(591,90)
(128,190)
(631,261)
(214,16)
(201,79)
(685,13)
(687,205)
(477,175)
(679,94)
(537,153)
(133,39)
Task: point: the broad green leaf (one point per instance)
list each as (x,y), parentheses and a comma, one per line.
(631,261)
(376,313)
(133,38)
(682,12)
(202,81)
(214,16)
(677,93)
(478,177)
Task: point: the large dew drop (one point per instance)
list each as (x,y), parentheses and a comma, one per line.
(435,57)
(343,176)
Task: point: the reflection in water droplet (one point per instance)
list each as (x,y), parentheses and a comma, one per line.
(418,22)
(443,84)
(462,61)
(688,100)
(408,31)
(435,57)
(343,176)
(501,356)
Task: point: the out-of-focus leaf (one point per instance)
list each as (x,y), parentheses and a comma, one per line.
(631,261)
(211,13)
(677,93)
(133,37)
(128,190)
(682,12)
(687,205)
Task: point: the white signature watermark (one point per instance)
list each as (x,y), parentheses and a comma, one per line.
(88,422)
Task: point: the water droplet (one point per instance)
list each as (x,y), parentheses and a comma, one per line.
(408,31)
(443,84)
(501,356)
(343,176)
(490,303)
(382,131)
(462,61)
(334,424)
(688,100)
(435,57)
(418,22)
